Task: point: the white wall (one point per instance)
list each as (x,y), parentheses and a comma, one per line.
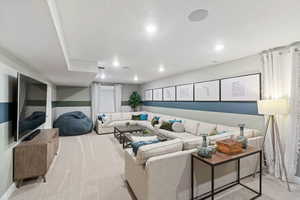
(247,65)
(9,66)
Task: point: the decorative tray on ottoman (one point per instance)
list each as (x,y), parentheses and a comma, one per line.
(229,146)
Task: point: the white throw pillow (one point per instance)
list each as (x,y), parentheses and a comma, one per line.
(178,127)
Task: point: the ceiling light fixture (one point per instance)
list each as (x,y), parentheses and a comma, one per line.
(198,15)
(116,63)
(151,28)
(135,78)
(161,68)
(219,47)
(103,76)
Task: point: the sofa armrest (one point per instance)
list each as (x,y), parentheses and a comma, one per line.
(166,171)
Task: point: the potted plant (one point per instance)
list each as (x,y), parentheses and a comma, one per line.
(135,100)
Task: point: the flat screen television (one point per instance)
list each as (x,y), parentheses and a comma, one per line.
(32,100)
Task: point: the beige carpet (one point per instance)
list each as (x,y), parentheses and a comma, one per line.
(90,167)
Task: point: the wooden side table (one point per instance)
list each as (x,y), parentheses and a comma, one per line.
(219,159)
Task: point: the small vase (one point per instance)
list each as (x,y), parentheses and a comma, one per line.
(242,139)
(205,151)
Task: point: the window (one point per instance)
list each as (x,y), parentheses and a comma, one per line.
(106,98)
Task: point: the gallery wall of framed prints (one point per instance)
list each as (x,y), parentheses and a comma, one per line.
(245,88)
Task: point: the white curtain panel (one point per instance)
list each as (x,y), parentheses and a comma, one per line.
(281,80)
(118,97)
(95,94)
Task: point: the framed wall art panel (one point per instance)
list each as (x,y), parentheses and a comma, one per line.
(185,92)
(207,91)
(169,94)
(241,88)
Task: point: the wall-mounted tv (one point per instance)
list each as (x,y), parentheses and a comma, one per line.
(32,100)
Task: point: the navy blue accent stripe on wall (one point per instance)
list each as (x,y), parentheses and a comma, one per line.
(249,108)
(7,112)
(71,103)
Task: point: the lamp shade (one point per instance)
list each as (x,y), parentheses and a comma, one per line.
(273,107)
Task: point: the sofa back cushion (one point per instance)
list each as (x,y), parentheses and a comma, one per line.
(224,128)
(161,148)
(206,128)
(116,116)
(126,116)
(192,143)
(178,127)
(191,126)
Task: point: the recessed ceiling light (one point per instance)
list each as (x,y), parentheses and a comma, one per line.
(116,63)
(219,47)
(151,28)
(135,78)
(161,68)
(198,15)
(103,76)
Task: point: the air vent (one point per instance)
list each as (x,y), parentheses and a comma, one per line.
(126,67)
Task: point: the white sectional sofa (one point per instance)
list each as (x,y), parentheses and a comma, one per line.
(121,118)
(162,170)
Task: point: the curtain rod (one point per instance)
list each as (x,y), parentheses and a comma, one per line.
(284,47)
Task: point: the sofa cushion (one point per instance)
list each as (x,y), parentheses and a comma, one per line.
(161,148)
(183,135)
(126,116)
(116,116)
(191,126)
(145,124)
(223,128)
(192,143)
(206,128)
(214,131)
(174,135)
(223,136)
(178,127)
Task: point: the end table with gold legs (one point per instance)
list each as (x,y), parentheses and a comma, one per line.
(219,159)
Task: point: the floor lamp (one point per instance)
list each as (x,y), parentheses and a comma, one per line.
(270,108)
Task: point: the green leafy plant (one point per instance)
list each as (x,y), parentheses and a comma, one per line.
(135,100)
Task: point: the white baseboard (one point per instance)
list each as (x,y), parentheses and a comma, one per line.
(8,192)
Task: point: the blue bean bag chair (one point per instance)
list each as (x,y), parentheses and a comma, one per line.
(73,123)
